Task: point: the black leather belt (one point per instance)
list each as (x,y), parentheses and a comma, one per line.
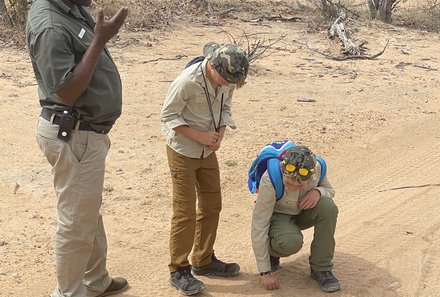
(47,115)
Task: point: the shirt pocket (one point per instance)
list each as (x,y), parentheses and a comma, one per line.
(199,100)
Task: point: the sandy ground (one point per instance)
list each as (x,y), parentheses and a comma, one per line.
(376,122)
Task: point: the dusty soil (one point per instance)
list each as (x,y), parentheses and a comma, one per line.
(376,122)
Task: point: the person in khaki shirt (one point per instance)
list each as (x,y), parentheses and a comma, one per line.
(80,92)
(307,202)
(194,117)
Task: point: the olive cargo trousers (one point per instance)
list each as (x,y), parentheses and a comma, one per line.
(286,238)
(197,204)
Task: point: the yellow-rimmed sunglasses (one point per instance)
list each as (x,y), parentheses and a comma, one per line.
(302,171)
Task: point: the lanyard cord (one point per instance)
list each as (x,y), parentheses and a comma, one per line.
(217,127)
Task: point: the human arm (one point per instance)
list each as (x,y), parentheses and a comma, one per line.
(261,215)
(209,138)
(226,118)
(270,281)
(311,198)
(177,100)
(216,145)
(83,72)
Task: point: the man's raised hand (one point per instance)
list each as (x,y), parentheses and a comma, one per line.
(106,29)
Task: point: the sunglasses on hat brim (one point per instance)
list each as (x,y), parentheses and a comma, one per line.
(291,169)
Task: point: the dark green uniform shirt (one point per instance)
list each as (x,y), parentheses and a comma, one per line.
(57,38)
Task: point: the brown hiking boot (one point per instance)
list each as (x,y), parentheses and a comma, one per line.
(118,285)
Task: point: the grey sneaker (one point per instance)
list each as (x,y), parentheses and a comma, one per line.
(217,268)
(326,280)
(185,282)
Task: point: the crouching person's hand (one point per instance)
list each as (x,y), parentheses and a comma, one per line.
(270,281)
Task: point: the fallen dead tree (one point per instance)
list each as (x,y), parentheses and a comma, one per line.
(350,50)
(343,58)
(338,28)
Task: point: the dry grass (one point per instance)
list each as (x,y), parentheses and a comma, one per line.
(148,15)
(423,18)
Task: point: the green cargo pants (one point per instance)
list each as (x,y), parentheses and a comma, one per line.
(286,238)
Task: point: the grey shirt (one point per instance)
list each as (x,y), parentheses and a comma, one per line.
(266,204)
(186,104)
(57,38)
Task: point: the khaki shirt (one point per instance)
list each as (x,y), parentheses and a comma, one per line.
(266,204)
(186,104)
(57,38)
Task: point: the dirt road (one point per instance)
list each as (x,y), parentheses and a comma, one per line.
(375,122)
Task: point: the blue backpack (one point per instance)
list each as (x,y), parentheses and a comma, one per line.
(268,159)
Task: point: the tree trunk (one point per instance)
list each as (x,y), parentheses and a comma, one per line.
(381,9)
(384,12)
(4,17)
(17,13)
(329,9)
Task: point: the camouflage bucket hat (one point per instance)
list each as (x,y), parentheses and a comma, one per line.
(231,63)
(299,163)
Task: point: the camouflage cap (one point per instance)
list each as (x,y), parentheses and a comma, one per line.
(303,161)
(231,62)
(209,49)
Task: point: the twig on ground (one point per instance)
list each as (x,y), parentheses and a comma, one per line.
(178,57)
(411,187)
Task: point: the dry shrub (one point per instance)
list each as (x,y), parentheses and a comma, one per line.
(423,18)
(143,14)
(160,14)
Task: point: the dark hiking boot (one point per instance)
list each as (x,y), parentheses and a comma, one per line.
(118,285)
(217,268)
(326,280)
(185,282)
(274,263)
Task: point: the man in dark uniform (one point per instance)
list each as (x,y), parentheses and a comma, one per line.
(80,92)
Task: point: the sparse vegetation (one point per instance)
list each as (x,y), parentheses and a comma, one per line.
(424,16)
(147,15)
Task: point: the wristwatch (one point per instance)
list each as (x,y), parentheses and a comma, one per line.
(264,273)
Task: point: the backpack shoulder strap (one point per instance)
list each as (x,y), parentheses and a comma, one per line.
(323,167)
(194,61)
(276,178)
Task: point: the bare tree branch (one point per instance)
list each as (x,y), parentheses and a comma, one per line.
(177,57)
(343,58)
(257,48)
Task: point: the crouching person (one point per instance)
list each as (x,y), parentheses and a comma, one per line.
(307,202)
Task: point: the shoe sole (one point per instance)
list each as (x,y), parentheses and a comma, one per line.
(187,293)
(214,273)
(114,292)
